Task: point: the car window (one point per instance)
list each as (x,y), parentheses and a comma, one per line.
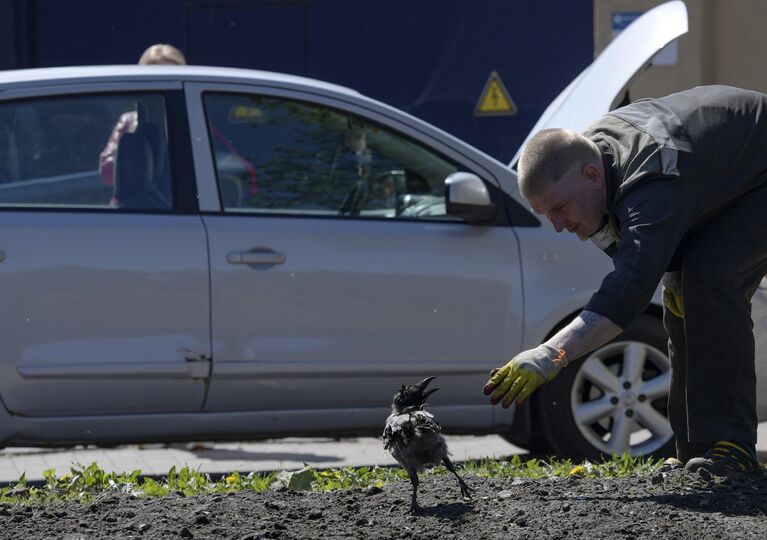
(286,156)
(95,151)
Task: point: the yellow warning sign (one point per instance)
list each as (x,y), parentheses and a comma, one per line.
(495,99)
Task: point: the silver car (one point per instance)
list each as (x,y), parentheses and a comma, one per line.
(208,253)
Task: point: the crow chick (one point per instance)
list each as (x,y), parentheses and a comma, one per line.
(413,436)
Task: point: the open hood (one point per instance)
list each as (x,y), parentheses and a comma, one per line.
(594,91)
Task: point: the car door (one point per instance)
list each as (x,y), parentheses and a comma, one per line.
(336,275)
(103,276)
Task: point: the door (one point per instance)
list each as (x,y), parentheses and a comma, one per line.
(103,283)
(336,274)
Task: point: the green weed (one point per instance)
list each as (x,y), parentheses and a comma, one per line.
(88,483)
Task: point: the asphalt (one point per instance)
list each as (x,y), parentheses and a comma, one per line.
(223,458)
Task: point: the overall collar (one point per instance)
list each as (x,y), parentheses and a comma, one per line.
(606,238)
(611,184)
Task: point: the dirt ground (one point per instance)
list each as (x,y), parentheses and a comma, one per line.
(667,505)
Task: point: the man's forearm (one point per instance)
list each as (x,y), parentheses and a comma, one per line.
(585,333)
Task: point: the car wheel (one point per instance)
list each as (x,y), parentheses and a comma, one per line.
(526,430)
(614,400)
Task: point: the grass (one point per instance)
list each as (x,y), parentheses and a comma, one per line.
(87,484)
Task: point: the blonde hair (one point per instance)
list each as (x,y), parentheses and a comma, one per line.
(162,53)
(548,155)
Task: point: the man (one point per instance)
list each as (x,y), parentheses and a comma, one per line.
(674,186)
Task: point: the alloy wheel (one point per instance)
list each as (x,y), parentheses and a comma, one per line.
(619,398)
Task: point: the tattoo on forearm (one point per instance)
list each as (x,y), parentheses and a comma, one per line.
(589,320)
(586,332)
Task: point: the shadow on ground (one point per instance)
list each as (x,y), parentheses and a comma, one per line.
(223,454)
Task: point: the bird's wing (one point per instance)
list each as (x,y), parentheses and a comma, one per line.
(397,429)
(414,439)
(424,422)
(388,433)
(404,427)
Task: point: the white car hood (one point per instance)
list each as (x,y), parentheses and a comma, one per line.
(593,92)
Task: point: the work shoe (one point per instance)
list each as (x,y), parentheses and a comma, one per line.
(670,464)
(726,458)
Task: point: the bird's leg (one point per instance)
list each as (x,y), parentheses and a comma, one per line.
(465,489)
(414,481)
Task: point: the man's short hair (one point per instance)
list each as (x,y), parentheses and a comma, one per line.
(162,53)
(548,155)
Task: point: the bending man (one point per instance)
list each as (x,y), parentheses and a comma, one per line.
(675,189)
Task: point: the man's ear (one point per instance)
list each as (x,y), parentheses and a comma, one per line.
(593,174)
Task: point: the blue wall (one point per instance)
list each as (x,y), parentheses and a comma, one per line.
(428,57)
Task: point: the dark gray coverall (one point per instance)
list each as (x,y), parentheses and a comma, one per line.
(687,190)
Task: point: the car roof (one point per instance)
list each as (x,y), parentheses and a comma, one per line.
(158,72)
(164,73)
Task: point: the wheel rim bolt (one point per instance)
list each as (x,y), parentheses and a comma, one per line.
(629,413)
(626,385)
(614,400)
(641,397)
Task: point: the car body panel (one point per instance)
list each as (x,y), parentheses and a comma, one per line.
(357,309)
(98,310)
(30,79)
(244,425)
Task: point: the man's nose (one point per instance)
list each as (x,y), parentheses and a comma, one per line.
(558,223)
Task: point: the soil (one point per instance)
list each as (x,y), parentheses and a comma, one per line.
(673,504)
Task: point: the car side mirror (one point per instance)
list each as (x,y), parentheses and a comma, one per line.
(466,196)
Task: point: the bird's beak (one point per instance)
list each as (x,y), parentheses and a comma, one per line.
(424,383)
(422,386)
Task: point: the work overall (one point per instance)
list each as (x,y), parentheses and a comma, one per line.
(687,191)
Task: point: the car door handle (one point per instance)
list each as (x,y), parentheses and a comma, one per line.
(263,256)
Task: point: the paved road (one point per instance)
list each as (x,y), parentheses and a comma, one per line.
(221,458)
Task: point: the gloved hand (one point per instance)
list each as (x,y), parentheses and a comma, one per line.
(672,293)
(515,381)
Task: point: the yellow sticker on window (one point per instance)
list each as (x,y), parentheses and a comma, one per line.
(242,113)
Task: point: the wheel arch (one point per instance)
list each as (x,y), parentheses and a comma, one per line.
(525,429)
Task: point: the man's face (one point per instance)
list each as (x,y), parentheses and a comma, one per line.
(576,202)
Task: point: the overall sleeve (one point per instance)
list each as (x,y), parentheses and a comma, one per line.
(653,219)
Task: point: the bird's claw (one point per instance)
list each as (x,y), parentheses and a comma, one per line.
(466,491)
(415,508)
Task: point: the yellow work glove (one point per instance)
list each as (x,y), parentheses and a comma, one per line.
(672,293)
(515,381)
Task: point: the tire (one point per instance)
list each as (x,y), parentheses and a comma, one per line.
(525,432)
(612,401)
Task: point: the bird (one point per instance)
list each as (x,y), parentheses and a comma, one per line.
(413,437)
